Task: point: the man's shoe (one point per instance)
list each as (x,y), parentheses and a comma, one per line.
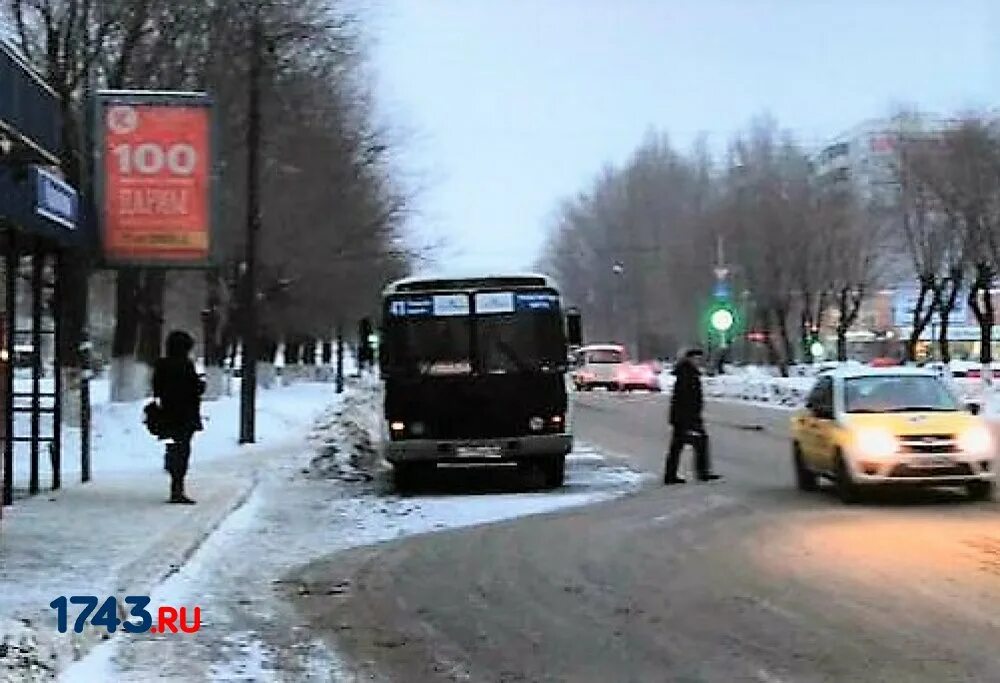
(673,480)
(711,477)
(181,500)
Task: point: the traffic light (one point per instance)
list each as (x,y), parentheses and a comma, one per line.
(814,348)
(722,321)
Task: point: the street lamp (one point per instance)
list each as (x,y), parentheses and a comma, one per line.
(248,380)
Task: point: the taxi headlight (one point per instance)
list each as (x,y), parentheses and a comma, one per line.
(876,443)
(976,440)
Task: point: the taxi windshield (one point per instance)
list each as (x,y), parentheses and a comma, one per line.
(897,394)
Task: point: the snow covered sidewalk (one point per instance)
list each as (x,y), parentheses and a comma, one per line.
(115,536)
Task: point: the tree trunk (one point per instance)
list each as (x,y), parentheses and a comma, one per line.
(920,317)
(151,316)
(214,350)
(293,351)
(787,352)
(842,326)
(327,351)
(74,269)
(805,329)
(267,350)
(985,316)
(947,305)
(849,305)
(124,371)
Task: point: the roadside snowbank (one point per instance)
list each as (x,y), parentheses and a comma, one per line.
(120,442)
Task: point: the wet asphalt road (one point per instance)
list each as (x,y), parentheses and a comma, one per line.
(740,580)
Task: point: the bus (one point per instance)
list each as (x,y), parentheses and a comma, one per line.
(474,372)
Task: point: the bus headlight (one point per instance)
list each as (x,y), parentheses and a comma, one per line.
(977,440)
(536,424)
(876,443)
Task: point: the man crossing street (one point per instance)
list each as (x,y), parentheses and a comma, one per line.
(686,421)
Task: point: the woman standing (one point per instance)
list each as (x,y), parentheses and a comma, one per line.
(178,388)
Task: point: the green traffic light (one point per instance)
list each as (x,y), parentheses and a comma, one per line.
(722,320)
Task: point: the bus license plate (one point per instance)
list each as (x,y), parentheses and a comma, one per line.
(481,451)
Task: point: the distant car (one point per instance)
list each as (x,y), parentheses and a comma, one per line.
(866,427)
(638,377)
(599,366)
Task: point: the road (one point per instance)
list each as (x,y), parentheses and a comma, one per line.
(740,580)
(327,494)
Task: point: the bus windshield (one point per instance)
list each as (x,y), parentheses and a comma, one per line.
(432,346)
(514,332)
(520,342)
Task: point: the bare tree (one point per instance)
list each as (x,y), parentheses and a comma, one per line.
(920,224)
(961,168)
(333,222)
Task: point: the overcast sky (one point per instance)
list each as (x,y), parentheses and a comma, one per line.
(510,105)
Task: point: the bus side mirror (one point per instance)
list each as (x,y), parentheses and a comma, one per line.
(973,408)
(574,329)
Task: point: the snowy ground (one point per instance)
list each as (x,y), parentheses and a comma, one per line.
(120,442)
(327,494)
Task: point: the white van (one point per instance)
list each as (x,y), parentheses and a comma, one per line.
(600,366)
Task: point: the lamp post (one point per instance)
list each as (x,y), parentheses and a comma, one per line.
(248,382)
(618,271)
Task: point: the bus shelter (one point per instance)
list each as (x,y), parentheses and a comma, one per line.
(39,229)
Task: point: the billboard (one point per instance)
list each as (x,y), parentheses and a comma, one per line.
(155,178)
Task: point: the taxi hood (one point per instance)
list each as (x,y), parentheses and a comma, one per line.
(916,424)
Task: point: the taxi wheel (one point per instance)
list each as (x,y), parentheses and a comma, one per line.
(847,490)
(980,490)
(805,478)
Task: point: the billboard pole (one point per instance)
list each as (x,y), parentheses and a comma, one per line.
(248,382)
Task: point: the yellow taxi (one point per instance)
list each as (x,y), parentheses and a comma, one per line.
(883,426)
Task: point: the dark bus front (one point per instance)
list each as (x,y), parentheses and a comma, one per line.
(476,375)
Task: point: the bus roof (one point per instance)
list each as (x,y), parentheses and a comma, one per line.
(431,283)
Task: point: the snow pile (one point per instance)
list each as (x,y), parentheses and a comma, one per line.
(20,658)
(347,439)
(759,388)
